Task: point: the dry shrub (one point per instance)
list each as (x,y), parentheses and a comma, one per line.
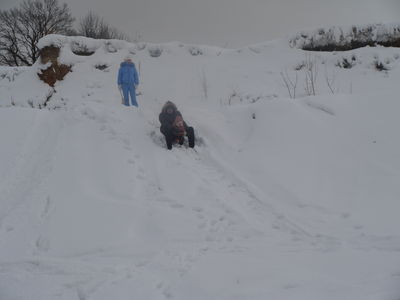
(55,72)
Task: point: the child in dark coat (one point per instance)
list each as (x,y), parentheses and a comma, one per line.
(173,127)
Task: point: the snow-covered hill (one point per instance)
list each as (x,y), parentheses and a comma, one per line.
(281,199)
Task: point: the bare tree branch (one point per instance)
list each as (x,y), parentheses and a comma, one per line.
(22,28)
(94,26)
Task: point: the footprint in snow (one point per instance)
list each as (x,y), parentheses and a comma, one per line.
(345,215)
(198,209)
(289,286)
(140,177)
(164,199)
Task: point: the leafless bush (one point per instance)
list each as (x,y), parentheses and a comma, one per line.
(141,45)
(234,94)
(347,63)
(204,84)
(23,27)
(291,84)
(311,74)
(155,51)
(138,38)
(346,38)
(330,81)
(101,67)
(195,51)
(94,26)
(299,66)
(380,66)
(81,49)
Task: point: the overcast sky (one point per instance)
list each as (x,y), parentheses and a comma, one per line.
(231,23)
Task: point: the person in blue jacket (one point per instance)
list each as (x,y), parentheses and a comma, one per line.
(128,80)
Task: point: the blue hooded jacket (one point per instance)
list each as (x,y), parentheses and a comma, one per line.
(127,74)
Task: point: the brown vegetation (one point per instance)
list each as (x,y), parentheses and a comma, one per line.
(55,71)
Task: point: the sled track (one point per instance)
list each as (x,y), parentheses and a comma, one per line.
(33,164)
(254,202)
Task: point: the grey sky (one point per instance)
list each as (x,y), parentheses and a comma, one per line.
(232,23)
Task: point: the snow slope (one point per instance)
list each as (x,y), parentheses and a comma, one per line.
(281,198)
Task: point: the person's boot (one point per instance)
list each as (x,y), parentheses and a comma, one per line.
(190,134)
(168,139)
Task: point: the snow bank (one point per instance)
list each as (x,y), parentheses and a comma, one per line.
(83,46)
(20,86)
(10,73)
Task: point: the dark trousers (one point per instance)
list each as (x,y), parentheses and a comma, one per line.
(170,137)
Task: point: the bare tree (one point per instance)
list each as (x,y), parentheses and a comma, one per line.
(94,26)
(10,53)
(21,29)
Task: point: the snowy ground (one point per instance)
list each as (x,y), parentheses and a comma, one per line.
(281,199)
